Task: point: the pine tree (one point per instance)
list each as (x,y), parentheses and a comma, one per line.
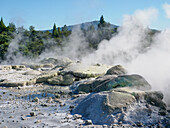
(102,22)
(64,28)
(59,31)
(54,32)
(2,25)
(11,27)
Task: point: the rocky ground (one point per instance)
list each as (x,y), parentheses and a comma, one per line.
(62,93)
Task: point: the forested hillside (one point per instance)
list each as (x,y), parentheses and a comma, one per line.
(31,43)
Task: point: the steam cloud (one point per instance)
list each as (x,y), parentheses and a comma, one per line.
(75,48)
(128,48)
(166,7)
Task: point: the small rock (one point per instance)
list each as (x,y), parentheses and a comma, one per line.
(44,105)
(32,114)
(49,100)
(71,107)
(36,99)
(57,100)
(77,116)
(23,126)
(11,117)
(36,109)
(162,112)
(38,121)
(104,126)
(62,104)
(139,124)
(57,96)
(88,122)
(75,96)
(120,122)
(23,118)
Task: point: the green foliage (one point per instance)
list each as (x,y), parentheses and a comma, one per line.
(2,26)
(31,28)
(55,32)
(5,37)
(11,27)
(65,32)
(102,22)
(3,50)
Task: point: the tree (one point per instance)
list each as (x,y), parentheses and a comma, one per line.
(11,27)
(2,25)
(31,28)
(102,22)
(64,28)
(65,31)
(59,31)
(54,32)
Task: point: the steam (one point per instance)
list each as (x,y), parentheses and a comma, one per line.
(13,56)
(128,44)
(74,48)
(19,21)
(133,49)
(155,64)
(166,8)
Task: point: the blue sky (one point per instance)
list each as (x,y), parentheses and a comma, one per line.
(42,14)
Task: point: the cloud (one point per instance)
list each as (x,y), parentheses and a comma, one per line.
(18,20)
(166,8)
(145,17)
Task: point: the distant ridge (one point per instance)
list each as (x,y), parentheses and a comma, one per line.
(86,25)
(95,24)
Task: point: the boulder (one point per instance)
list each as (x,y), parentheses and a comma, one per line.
(62,80)
(12,84)
(31,82)
(121,104)
(68,79)
(116,101)
(59,62)
(116,70)
(39,66)
(34,66)
(154,98)
(99,107)
(44,77)
(83,71)
(32,72)
(57,80)
(108,82)
(7,83)
(91,85)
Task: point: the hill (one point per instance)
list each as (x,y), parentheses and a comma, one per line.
(86,25)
